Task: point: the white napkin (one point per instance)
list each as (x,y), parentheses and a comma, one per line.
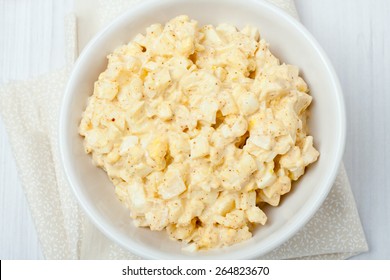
(30,112)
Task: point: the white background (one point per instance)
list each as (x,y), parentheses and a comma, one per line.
(354,33)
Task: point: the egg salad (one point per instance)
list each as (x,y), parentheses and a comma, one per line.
(199,127)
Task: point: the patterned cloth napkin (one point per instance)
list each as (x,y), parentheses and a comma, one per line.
(30,111)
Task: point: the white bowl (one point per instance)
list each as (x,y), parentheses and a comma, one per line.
(290,42)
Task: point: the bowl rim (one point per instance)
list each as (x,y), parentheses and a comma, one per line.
(298,221)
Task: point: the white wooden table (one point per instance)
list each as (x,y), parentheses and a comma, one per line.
(354,33)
